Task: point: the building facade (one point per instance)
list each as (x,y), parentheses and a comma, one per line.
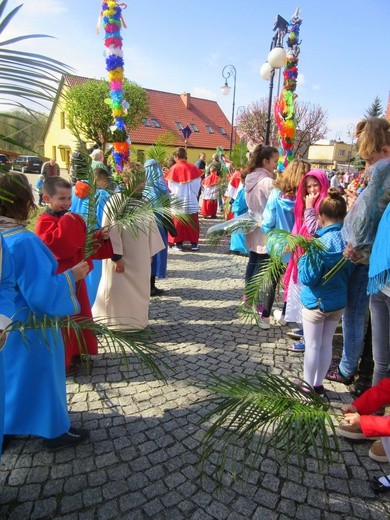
(169,113)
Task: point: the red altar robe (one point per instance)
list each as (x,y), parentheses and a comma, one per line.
(65,237)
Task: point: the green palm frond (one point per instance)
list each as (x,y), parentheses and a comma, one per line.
(270,272)
(266,412)
(158,152)
(25,78)
(334,270)
(129,210)
(123,343)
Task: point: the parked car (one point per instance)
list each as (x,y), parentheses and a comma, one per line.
(3,158)
(27,164)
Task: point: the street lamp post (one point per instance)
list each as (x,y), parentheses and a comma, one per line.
(238,111)
(350,133)
(275,60)
(227,71)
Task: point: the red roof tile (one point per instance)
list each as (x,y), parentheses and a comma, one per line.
(168,108)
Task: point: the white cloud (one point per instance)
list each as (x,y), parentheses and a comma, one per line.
(301,79)
(316,87)
(212,60)
(202,92)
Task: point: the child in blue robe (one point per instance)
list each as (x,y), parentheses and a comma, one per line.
(34,370)
(7,309)
(155,187)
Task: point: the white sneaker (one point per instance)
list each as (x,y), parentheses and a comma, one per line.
(279,317)
(264,323)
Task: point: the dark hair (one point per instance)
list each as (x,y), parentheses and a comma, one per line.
(259,155)
(100,174)
(180,153)
(17,190)
(333,206)
(52,184)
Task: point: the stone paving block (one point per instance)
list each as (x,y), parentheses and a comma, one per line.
(139,464)
(70,503)
(21,511)
(153,508)
(109,510)
(338,503)
(29,492)
(105,460)
(39,474)
(44,509)
(61,470)
(155,489)
(305,512)
(118,472)
(263,513)
(97,478)
(17,477)
(266,498)
(92,496)
(131,501)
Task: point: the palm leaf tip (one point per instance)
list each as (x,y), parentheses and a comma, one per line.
(267,414)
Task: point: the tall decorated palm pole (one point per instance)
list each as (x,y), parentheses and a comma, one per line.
(112,21)
(285,104)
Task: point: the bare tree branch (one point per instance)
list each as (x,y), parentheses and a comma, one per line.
(310,119)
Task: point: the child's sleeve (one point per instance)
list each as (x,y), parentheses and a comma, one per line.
(310,269)
(268,221)
(374,398)
(64,236)
(311,220)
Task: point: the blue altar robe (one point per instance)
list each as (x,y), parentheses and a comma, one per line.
(7,309)
(34,370)
(80,206)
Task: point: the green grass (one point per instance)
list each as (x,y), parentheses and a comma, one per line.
(34,217)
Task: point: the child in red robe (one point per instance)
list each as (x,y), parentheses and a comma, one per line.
(64,233)
(210,185)
(362,424)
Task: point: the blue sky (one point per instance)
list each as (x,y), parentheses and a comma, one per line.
(178,46)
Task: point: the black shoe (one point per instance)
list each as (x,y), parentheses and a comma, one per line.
(7,439)
(71,438)
(378,487)
(156,292)
(359,387)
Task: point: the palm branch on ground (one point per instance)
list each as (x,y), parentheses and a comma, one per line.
(267,414)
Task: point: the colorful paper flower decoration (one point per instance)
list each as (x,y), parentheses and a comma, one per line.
(111,15)
(284,106)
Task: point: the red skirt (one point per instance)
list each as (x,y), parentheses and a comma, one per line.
(209,208)
(185,232)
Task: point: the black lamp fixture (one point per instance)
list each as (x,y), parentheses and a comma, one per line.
(275,60)
(227,71)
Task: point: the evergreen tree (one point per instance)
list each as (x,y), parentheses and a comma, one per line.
(376,109)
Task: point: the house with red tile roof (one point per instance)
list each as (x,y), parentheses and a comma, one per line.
(168,112)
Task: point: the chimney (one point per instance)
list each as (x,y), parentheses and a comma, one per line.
(185,97)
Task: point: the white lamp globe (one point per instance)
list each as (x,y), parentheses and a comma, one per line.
(276,57)
(265,71)
(226,89)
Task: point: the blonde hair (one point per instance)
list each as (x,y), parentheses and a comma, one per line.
(372,134)
(288,181)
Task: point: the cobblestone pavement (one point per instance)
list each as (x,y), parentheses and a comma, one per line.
(142,458)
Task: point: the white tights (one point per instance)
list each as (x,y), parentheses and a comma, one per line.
(318,329)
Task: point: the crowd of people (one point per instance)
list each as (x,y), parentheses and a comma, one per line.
(347,214)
